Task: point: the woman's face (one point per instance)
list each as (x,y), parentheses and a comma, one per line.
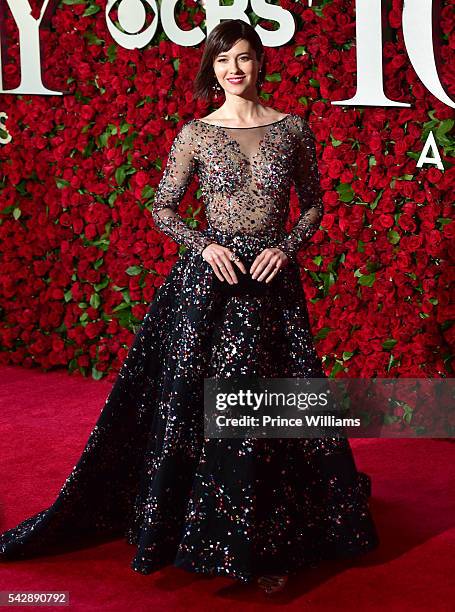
(237,69)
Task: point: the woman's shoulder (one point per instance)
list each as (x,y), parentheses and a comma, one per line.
(294,121)
(298,119)
(301,126)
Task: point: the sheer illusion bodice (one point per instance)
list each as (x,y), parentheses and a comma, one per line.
(245,177)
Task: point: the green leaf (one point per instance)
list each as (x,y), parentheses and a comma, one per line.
(443,128)
(126,296)
(60,182)
(88,150)
(329,280)
(407,417)
(95,300)
(17,213)
(390,419)
(121,306)
(102,285)
(120,175)
(96,374)
(443,221)
(128,143)
(91,10)
(367,280)
(300,50)
(147,192)
(393,237)
(133,270)
(392,362)
(319,10)
(111,53)
(371,161)
(111,199)
(388,345)
(111,130)
(93,39)
(22,189)
(345,192)
(338,367)
(275,77)
(72,365)
(102,138)
(323,333)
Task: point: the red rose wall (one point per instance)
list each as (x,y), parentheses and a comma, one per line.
(81,259)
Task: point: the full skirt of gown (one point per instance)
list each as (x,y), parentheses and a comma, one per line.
(230,507)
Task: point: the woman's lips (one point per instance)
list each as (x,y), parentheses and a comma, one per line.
(236,80)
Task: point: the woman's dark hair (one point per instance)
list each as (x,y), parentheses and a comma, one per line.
(221,39)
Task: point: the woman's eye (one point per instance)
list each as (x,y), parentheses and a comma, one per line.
(246,58)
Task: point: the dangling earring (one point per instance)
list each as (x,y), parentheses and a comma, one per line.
(260,80)
(216,88)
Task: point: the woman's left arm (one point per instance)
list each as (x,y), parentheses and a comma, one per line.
(306,182)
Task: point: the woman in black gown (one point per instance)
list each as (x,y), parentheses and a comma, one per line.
(251,509)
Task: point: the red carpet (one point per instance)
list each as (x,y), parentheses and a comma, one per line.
(46,419)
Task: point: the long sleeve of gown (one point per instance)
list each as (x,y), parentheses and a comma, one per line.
(306,180)
(174,182)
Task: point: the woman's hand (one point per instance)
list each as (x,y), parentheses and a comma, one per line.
(219,257)
(268,264)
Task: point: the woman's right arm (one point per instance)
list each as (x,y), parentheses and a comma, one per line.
(174,182)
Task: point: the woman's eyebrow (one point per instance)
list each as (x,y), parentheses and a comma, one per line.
(226,54)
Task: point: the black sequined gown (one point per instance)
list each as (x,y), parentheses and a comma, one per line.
(229,507)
